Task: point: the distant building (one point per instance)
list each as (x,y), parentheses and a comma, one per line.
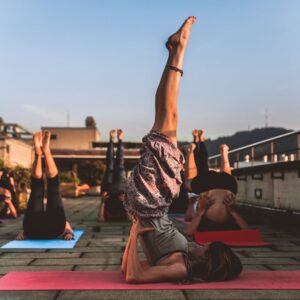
(15,145)
(75,138)
(74,146)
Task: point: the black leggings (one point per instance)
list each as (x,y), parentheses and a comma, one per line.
(44,224)
(207,180)
(115,175)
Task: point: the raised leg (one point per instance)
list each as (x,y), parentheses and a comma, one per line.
(225,163)
(35,207)
(201,155)
(166,115)
(35,202)
(108,176)
(119,169)
(37,170)
(190,164)
(51,169)
(55,214)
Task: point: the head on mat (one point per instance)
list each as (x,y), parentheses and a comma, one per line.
(215,208)
(45,222)
(213,262)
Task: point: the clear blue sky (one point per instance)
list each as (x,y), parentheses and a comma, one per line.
(105,58)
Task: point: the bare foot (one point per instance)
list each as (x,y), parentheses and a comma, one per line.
(46,141)
(189,148)
(224,149)
(120,134)
(201,135)
(37,138)
(112,135)
(195,135)
(180,38)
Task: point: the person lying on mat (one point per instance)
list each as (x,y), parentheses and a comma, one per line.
(50,223)
(152,185)
(215,209)
(114,182)
(7,208)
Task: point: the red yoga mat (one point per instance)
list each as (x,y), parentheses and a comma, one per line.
(234,238)
(85,280)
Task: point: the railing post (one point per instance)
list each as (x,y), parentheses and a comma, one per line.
(272,151)
(252,155)
(237,157)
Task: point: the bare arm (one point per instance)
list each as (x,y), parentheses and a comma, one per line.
(104,197)
(13,212)
(12,182)
(125,256)
(68,232)
(190,165)
(205,201)
(229,201)
(239,219)
(192,227)
(189,213)
(135,273)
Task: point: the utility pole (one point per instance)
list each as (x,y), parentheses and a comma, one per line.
(68,119)
(266,118)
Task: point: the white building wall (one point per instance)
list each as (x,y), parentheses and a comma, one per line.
(15,152)
(283,193)
(73,138)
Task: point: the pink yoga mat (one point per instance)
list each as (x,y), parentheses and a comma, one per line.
(85,280)
(234,238)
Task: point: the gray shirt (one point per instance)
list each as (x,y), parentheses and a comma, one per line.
(163,241)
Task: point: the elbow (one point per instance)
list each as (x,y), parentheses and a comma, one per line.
(189,232)
(131,279)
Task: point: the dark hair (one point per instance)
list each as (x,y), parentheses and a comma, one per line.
(219,263)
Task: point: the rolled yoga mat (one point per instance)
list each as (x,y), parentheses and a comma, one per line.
(107,280)
(233,238)
(45,244)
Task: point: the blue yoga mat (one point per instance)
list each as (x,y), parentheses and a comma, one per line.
(44,244)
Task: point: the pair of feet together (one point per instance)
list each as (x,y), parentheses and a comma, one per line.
(112,134)
(198,136)
(42,142)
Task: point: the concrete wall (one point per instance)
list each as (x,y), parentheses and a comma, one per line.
(73,138)
(15,152)
(274,189)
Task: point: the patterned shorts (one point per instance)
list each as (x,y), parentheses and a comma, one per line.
(155,181)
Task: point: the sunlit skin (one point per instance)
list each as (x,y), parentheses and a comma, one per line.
(42,147)
(166,119)
(11,211)
(217,204)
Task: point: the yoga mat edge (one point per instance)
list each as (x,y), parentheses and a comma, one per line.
(111,280)
(45,244)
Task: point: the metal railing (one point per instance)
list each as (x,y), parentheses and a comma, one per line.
(285,147)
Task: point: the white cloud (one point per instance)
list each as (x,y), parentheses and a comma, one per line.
(45,114)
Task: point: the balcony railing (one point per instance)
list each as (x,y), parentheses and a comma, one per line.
(285,147)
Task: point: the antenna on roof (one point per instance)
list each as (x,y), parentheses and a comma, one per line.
(266,118)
